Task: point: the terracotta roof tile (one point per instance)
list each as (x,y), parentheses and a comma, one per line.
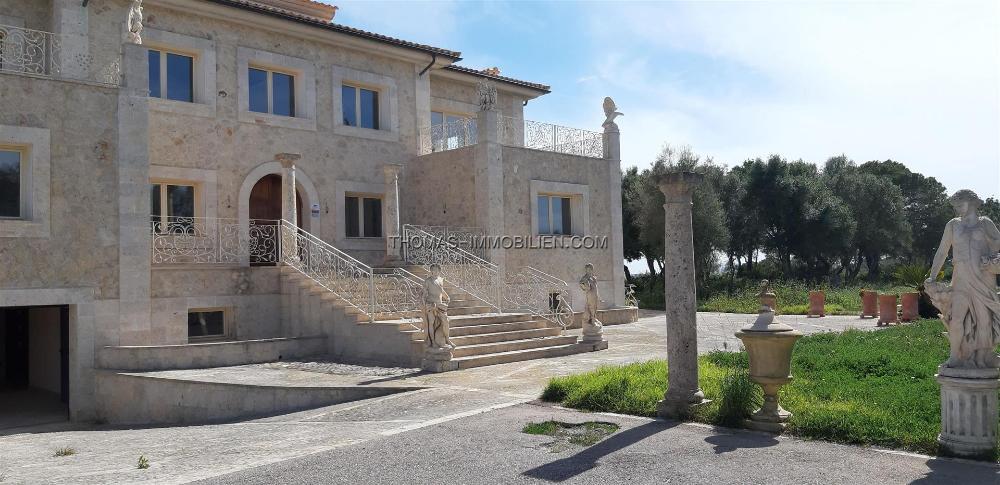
(483,73)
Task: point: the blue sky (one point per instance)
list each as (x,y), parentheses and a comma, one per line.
(913,81)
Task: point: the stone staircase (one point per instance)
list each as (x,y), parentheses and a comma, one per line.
(482,336)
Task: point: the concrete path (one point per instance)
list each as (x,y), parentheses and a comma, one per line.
(185,454)
(492,449)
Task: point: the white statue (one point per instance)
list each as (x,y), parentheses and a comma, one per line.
(134,22)
(610,112)
(435,313)
(970,307)
(588,283)
(487,96)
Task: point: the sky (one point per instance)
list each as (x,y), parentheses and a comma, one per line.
(916,82)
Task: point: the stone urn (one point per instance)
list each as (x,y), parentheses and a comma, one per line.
(887,310)
(769,345)
(869,304)
(911,306)
(817,303)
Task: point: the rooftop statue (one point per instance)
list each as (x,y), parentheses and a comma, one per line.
(970,307)
(487,96)
(610,111)
(134,22)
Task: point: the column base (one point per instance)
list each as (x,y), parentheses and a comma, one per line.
(968,412)
(681,408)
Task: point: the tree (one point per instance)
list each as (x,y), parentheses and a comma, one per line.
(991,209)
(631,206)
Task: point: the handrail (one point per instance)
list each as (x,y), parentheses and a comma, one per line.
(479,278)
(540,293)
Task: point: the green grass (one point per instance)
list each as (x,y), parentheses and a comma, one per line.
(580,434)
(866,388)
(793,299)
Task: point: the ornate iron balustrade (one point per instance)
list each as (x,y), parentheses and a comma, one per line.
(449,136)
(398,292)
(540,293)
(200,240)
(549,137)
(471,239)
(40,53)
(476,276)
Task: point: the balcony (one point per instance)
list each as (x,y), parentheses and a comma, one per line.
(516,132)
(46,54)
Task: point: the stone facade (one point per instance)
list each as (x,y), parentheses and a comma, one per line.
(107,140)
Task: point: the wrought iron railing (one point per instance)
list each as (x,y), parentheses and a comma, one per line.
(553,138)
(398,292)
(40,53)
(201,240)
(479,278)
(471,239)
(449,136)
(539,293)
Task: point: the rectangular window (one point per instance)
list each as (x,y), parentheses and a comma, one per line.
(360,107)
(271,92)
(363,216)
(172,207)
(171,75)
(206,324)
(10,183)
(450,131)
(555,215)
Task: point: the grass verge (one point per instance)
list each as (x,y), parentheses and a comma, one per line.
(856,387)
(793,299)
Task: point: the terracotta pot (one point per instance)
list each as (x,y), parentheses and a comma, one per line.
(869,304)
(887,309)
(817,302)
(911,306)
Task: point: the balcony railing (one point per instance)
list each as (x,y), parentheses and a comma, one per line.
(40,53)
(449,136)
(201,240)
(549,137)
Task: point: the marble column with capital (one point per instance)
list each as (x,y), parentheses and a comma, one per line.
(390,221)
(289,211)
(683,391)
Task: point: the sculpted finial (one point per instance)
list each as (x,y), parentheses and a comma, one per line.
(487,96)
(134,22)
(610,111)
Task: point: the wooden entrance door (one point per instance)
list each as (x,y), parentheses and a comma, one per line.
(265,207)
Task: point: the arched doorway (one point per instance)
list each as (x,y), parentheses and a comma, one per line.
(265,206)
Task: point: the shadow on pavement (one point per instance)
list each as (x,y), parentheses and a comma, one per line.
(569,467)
(944,471)
(724,443)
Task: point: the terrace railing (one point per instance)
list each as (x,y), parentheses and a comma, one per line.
(549,137)
(449,136)
(40,53)
(201,240)
(539,293)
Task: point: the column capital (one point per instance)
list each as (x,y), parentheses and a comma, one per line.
(678,186)
(287,160)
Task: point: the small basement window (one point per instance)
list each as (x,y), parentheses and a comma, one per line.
(205,324)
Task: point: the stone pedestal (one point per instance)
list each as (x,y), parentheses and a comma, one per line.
(438,360)
(679,286)
(968,411)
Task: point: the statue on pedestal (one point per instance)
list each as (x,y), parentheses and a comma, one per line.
(134,22)
(435,313)
(592,327)
(970,307)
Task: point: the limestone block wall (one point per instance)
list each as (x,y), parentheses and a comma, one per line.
(438,189)
(520,167)
(29,14)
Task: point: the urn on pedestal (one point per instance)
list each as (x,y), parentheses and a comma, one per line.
(769,345)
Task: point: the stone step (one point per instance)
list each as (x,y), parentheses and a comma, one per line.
(487,319)
(497,328)
(512,345)
(521,355)
(489,338)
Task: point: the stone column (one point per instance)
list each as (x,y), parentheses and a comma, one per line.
(70,21)
(134,239)
(612,153)
(679,288)
(489,179)
(288,208)
(390,223)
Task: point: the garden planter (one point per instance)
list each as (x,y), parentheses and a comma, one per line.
(869,304)
(887,309)
(817,302)
(911,306)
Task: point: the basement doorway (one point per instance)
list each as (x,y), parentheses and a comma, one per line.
(34,365)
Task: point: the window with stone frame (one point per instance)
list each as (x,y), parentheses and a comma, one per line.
(172,207)
(360,106)
(555,215)
(208,324)
(271,92)
(171,75)
(13,183)
(363,215)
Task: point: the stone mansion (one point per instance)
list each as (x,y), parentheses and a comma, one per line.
(200,183)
